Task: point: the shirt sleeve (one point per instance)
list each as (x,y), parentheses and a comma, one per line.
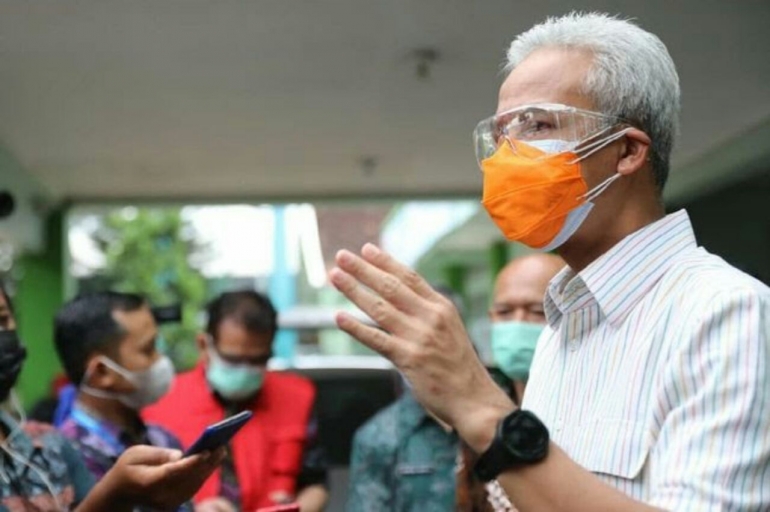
(370,475)
(80,476)
(714,440)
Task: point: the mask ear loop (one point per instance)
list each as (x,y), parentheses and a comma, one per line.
(598,189)
(211,349)
(100,393)
(40,473)
(5,446)
(19,410)
(597,145)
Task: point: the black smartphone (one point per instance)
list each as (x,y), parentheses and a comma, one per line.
(219,434)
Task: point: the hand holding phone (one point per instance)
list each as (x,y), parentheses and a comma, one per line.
(219,434)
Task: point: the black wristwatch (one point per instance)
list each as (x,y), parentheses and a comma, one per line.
(520,438)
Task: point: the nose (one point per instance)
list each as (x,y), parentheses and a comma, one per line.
(519,314)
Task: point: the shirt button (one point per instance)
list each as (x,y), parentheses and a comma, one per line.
(573,345)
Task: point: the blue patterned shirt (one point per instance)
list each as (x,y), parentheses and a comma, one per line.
(101,442)
(40,470)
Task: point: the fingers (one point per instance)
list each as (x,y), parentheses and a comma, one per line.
(384,261)
(379,309)
(387,285)
(224,505)
(218,456)
(376,339)
(174,455)
(281,497)
(185,465)
(150,455)
(200,464)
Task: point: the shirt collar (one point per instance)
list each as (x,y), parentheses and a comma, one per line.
(412,414)
(108,431)
(618,279)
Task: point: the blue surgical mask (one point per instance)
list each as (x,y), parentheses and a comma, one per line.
(513,346)
(233,382)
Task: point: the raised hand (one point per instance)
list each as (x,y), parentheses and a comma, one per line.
(423,335)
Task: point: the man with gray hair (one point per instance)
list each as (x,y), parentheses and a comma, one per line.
(650,386)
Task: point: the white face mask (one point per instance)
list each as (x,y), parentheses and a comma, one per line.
(150,385)
(551,146)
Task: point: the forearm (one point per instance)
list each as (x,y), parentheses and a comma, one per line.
(313,498)
(556,484)
(103,498)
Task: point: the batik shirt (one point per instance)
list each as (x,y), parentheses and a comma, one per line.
(403,461)
(101,442)
(40,470)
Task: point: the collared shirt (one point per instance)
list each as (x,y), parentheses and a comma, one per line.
(101,442)
(654,372)
(39,470)
(403,461)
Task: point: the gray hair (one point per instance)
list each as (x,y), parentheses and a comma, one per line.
(632,75)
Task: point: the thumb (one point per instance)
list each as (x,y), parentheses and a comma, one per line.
(151,455)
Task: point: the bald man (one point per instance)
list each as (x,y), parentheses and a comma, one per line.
(517,314)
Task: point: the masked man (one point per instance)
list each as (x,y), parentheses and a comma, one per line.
(273,459)
(107,344)
(650,386)
(517,315)
(41,471)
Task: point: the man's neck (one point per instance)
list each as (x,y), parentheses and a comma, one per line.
(112,411)
(580,252)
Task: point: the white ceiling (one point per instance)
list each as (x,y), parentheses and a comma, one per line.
(220,100)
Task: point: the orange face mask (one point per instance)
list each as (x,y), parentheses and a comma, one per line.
(535,198)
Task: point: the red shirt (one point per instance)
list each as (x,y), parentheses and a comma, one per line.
(267,450)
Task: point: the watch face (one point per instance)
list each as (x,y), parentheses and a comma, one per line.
(525,436)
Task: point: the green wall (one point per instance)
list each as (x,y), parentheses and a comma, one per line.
(40,294)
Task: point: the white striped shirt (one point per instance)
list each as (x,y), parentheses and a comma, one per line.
(654,372)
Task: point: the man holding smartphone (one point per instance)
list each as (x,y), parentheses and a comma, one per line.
(107,344)
(42,471)
(273,459)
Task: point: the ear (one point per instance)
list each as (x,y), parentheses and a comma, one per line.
(635,152)
(201,341)
(98,375)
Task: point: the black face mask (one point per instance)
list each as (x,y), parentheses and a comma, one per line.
(12,355)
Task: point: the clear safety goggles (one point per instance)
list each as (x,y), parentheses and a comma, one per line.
(574,129)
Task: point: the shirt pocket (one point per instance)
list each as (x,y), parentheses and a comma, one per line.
(413,469)
(612,447)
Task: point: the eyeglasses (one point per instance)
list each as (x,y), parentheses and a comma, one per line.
(574,127)
(260,360)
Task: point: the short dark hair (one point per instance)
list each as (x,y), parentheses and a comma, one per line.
(248,308)
(85,325)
